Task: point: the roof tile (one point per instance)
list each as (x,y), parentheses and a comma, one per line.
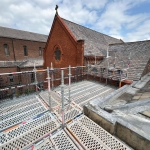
(95,43)
(23,35)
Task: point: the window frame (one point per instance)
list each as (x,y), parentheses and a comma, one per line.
(6,49)
(40,51)
(57,49)
(25,50)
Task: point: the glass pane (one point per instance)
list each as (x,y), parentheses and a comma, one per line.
(57,54)
(6,49)
(40,51)
(25,51)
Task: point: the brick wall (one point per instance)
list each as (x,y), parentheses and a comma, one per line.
(72,52)
(7,41)
(32,48)
(40,75)
(7,70)
(4,79)
(16,52)
(16,47)
(24,79)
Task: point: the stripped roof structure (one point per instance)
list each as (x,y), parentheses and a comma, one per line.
(23,64)
(95,43)
(23,35)
(30,63)
(9,63)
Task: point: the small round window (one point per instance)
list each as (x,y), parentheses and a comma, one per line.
(57,54)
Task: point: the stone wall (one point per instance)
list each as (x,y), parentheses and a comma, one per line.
(132,138)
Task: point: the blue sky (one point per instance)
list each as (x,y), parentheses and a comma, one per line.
(125,19)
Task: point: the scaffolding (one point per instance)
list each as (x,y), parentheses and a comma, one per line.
(34,123)
(15,84)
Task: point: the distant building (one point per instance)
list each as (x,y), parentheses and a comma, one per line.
(20,82)
(20,45)
(107,59)
(19,52)
(123,112)
(72,44)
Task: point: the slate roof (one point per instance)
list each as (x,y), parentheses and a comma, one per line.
(30,62)
(24,35)
(23,64)
(10,63)
(139,53)
(95,42)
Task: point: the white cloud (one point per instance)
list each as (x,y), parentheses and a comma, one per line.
(94,4)
(116,18)
(140,33)
(109,17)
(37,15)
(81,11)
(34,16)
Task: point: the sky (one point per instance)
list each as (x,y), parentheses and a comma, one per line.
(128,20)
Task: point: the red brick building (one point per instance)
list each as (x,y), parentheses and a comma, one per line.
(19,51)
(17,47)
(72,44)
(20,45)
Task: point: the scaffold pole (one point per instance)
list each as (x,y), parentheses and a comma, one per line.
(52,70)
(62,96)
(88,70)
(49,88)
(35,77)
(69,83)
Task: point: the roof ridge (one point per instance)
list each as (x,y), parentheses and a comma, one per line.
(90,29)
(129,42)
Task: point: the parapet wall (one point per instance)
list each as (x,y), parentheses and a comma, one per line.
(100,120)
(130,137)
(122,118)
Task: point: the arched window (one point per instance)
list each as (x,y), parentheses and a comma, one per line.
(25,51)
(57,54)
(40,51)
(6,49)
